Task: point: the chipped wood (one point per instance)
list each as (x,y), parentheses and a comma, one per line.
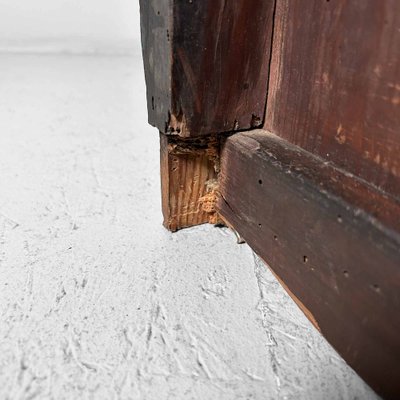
(189,172)
(322,206)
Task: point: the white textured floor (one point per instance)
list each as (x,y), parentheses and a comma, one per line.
(97,300)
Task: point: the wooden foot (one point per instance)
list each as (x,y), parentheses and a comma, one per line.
(189,172)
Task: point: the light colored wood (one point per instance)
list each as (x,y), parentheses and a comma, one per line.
(189,173)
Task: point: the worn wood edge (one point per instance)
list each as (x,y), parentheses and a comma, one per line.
(156,25)
(382,209)
(366,337)
(220,66)
(189,181)
(298,302)
(206,80)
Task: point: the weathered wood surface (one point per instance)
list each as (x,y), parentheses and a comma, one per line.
(341,264)
(188,181)
(156,29)
(335,84)
(206,63)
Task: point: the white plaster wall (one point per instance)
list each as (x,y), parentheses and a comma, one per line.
(69,25)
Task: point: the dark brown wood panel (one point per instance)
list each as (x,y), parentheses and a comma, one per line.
(156,28)
(206,64)
(341,263)
(335,84)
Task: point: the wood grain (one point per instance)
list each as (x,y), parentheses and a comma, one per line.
(156,27)
(335,84)
(340,263)
(189,181)
(207,64)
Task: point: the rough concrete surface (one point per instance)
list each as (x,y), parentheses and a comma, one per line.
(97,299)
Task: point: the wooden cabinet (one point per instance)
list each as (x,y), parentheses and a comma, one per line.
(282,119)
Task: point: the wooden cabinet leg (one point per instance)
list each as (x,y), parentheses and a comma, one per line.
(189,180)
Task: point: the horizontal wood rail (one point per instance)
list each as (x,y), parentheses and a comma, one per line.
(341,265)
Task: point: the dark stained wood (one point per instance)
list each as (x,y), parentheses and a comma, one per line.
(206,64)
(319,202)
(335,84)
(189,181)
(313,225)
(156,25)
